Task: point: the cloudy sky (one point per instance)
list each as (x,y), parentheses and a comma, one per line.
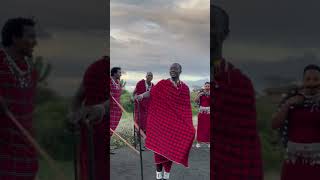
(72,34)
(150,35)
(273,40)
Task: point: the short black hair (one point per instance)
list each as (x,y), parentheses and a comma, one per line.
(311,67)
(207,83)
(114,70)
(219,20)
(14,28)
(178,65)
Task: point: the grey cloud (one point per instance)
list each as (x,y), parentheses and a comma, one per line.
(287,23)
(71,14)
(277,73)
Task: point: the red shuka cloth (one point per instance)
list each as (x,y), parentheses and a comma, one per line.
(96,85)
(170,130)
(203,130)
(144,104)
(115,111)
(304,127)
(163,161)
(18,158)
(236,152)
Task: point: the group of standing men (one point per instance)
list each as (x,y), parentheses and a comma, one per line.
(163,111)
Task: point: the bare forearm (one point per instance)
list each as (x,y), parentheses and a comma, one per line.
(197,98)
(146,94)
(279,117)
(77,99)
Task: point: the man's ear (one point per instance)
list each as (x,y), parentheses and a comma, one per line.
(15,39)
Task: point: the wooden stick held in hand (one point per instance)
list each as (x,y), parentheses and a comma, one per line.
(124,141)
(60,175)
(123,110)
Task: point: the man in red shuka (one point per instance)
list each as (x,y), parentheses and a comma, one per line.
(115,91)
(94,95)
(203,130)
(142,86)
(170,131)
(18,81)
(236,152)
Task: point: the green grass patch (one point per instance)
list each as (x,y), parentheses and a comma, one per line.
(47,173)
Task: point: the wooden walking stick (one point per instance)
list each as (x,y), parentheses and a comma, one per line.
(140,142)
(60,175)
(123,110)
(122,139)
(91,152)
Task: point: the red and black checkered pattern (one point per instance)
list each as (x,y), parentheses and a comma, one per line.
(160,160)
(236,152)
(96,91)
(115,111)
(18,159)
(143,105)
(303,127)
(203,129)
(170,130)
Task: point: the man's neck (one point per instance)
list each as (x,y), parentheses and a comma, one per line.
(114,78)
(14,53)
(176,80)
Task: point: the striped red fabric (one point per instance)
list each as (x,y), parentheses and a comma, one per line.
(160,160)
(115,111)
(236,152)
(203,130)
(170,130)
(303,127)
(144,104)
(18,159)
(96,85)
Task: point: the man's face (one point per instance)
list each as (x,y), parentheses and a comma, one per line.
(207,87)
(27,42)
(175,71)
(218,31)
(311,81)
(118,74)
(149,77)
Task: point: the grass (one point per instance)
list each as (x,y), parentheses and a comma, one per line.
(47,173)
(272,150)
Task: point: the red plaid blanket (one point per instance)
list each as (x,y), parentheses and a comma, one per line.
(96,87)
(303,127)
(115,111)
(236,152)
(18,159)
(144,104)
(203,129)
(170,130)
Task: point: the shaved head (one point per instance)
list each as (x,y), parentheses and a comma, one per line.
(175,71)
(149,77)
(177,65)
(219,31)
(219,22)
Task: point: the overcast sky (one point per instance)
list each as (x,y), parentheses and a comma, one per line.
(150,35)
(72,34)
(272,38)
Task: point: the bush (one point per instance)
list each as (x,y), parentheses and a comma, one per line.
(272,151)
(51,130)
(126,101)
